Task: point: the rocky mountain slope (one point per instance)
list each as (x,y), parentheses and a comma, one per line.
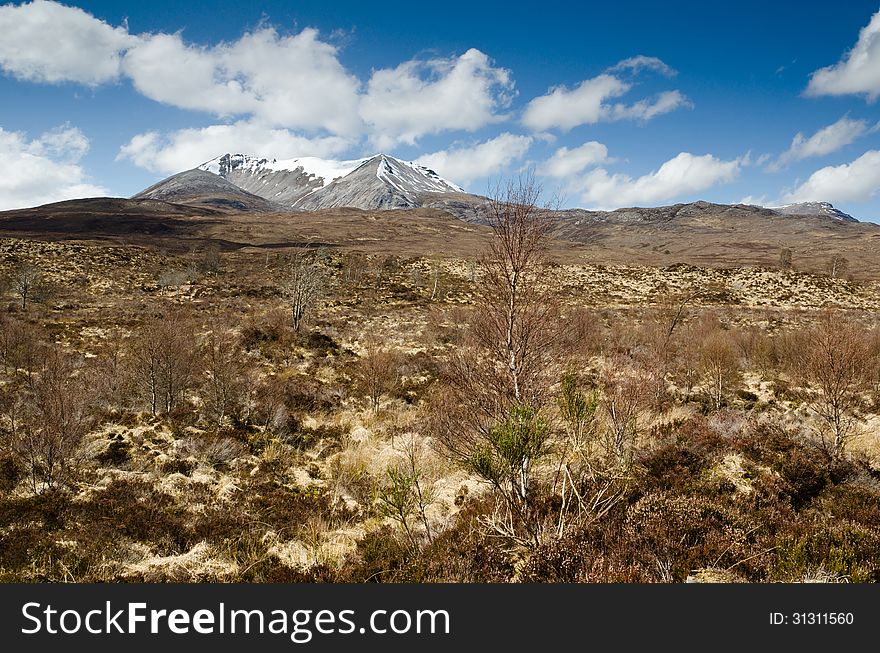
(200,188)
(308,183)
(703,233)
(814,208)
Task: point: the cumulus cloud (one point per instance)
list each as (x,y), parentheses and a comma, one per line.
(682,175)
(187,148)
(292,81)
(64,143)
(825,141)
(641,62)
(856,181)
(45,169)
(858,72)
(48,42)
(565,108)
(465,164)
(426,97)
(295,81)
(647,109)
(755,200)
(588,103)
(567,162)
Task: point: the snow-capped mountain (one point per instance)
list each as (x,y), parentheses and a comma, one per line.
(309,183)
(813,208)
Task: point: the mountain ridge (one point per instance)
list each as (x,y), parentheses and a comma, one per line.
(200,188)
(814,208)
(380,181)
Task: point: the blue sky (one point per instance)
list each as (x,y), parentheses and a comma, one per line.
(612,104)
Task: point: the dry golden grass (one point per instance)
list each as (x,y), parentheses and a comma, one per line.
(301,494)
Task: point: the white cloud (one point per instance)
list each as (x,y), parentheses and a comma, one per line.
(755,200)
(567,162)
(641,62)
(588,103)
(465,164)
(187,148)
(45,169)
(682,175)
(564,109)
(856,181)
(292,81)
(825,141)
(49,42)
(426,97)
(649,108)
(858,72)
(64,143)
(401,104)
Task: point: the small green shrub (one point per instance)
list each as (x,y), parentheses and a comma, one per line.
(849,551)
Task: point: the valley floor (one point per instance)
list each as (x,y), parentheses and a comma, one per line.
(161,419)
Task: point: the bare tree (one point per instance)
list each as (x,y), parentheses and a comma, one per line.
(490,420)
(377,373)
(416,278)
(719,364)
(353,270)
(303,284)
(659,334)
(516,317)
(268,408)
(687,362)
(55,420)
(785,259)
(626,391)
(837,265)
(435,268)
(836,362)
(28,282)
(12,410)
(109,372)
(20,345)
(162,359)
(224,384)
(211,258)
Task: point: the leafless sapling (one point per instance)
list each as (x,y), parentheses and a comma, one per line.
(303,284)
(490,417)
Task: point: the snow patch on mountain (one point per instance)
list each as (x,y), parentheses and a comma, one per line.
(395,171)
(310,182)
(409,176)
(813,208)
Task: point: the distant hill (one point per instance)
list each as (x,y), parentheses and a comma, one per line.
(814,208)
(133,220)
(704,233)
(200,188)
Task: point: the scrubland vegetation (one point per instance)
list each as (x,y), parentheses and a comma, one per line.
(340,416)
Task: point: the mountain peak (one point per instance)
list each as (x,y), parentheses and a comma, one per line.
(378,181)
(823,209)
